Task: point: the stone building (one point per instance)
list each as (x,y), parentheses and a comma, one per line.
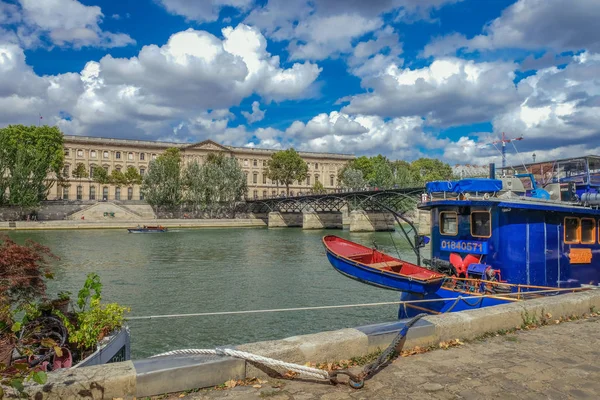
(119,154)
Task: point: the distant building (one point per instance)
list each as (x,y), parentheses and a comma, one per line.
(119,154)
(470,171)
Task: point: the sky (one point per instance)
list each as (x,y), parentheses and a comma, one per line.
(402,78)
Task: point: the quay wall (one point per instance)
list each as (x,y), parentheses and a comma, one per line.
(179,373)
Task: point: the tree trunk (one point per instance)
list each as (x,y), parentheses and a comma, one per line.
(287,188)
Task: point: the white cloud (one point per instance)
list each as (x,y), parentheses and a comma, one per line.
(256,115)
(318,29)
(532,24)
(450,91)
(57,22)
(202,10)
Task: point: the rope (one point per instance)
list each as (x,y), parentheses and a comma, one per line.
(300,369)
(385,303)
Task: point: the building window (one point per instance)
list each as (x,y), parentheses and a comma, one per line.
(264,179)
(92,192)
(105,154)
(141,195)
(79,153)
(572,230)
(66,171)
(105,193)
(264,194)
(118,155)
(308,180)
(332,181)
(118,169)
(588,231)
(254,177)
(65,193)
(245,163)
(79,193)
(291,193)
(92,171)
(142,156)
(118,193)
(130,156)
(105,168)
(142,171)
(255,163)
(274,193)
(130,193)
(316,165)
(448,223)
(246,172)
(316,178)
(93,154)
(154,156)
(255,193)
(66,152)
(481,224)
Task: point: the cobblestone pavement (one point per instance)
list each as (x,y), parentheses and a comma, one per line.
(553,362)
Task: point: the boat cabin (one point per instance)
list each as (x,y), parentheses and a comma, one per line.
(498,229)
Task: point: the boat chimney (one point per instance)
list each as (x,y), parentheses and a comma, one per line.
(492,171)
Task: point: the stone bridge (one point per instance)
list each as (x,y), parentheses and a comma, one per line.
(361,211)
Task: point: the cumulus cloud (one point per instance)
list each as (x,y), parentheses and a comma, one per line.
(321,28)
(256,115)
(450,91)
(203,11)
(57,22)
(532,24)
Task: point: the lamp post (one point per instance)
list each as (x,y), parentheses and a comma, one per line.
(533,156)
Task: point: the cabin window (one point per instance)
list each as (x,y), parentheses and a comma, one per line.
(481,224)
(448,223)
(572,230)
(588,230)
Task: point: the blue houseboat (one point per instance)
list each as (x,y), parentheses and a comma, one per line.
(535,230)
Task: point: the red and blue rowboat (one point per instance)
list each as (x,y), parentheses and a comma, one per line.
(375,268)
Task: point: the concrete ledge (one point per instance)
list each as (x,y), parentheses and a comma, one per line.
(109,381)
(158,376)
(174,374)
(169,223)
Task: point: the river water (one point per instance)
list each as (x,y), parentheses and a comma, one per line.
(209,270)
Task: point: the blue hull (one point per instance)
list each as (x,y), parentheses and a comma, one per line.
(452,303)
(375,277)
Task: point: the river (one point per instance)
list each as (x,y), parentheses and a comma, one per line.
(209,270)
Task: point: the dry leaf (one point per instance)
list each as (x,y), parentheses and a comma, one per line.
(261,381)
(256,386)
(230,383)
(182,395)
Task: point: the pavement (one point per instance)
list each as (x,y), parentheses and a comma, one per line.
(557,361)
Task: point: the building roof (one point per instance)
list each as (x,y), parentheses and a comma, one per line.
(183,146)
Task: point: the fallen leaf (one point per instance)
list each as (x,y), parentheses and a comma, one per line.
(230,383)
(256,386)
(181,395)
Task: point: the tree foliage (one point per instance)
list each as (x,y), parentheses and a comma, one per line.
(318,188)
(431,169)
(80,171)
(352,179)
(286,167)
(117,178)
(29,155)
(162,185)
(132,176)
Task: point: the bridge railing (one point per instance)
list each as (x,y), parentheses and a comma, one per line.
(328,191)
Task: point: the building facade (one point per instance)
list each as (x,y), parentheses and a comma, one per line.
(110,154)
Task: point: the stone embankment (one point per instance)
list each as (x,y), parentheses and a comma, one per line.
(483,371)
(122,224)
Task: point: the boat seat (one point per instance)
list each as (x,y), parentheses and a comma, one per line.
(387,265)
(359,255)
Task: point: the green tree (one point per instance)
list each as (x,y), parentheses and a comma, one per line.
(132,176)
(162,185)
(101,178)
(405,175)
(28,156)
(352,179)
(430,169)
(318,188)
(286,167)
(80,172)
(117,178)
(382,175)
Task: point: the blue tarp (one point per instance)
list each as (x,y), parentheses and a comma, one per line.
(465,185)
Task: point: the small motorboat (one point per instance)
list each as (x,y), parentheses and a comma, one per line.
(375,268)
(148,229)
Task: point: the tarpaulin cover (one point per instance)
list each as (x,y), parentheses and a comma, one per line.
(465,185)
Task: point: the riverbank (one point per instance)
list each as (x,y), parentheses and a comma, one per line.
(169,223)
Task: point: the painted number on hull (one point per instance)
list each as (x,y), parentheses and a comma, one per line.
(465,246)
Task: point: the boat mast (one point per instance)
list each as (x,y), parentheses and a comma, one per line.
(504,140)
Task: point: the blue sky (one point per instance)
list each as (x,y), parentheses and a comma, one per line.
(403,78)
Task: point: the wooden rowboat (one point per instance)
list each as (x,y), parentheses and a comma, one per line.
(375,268)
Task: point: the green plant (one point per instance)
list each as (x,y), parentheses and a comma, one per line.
(64,295)
(93,320)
